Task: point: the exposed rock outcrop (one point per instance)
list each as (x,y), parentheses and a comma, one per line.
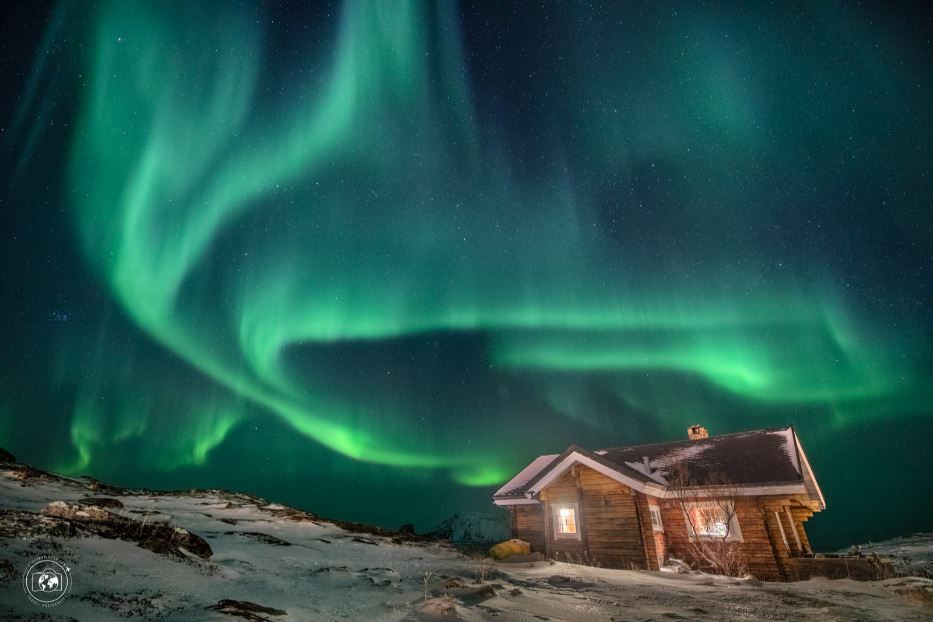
(246,610)
(155,536)
(102,502)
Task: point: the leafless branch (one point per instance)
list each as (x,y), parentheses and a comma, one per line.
(711,550)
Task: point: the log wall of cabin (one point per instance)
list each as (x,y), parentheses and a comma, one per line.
(563,490)
(615,527)
(528,525)
(761,540)
(659,536)
(615,522)
(611,524)
(647,531)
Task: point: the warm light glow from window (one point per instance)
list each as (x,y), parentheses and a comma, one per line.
(566,521)
(709,520)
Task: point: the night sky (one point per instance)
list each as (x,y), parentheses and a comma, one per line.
(370,259)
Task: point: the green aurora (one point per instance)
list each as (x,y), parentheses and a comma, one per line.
(408,246)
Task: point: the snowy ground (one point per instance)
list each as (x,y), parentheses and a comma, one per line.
(315,570)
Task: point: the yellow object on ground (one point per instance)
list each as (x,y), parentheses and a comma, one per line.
(510,547)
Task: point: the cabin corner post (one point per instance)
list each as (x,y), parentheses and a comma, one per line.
(792,537)
(782,572)
(581,518)
(646,531)
(796,532)
(801,515)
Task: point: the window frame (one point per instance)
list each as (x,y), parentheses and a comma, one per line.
(655,512)
(556,520)
(728,507)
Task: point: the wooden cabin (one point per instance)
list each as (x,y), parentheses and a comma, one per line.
(637,507)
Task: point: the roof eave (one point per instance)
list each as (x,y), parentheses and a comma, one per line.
(807,469)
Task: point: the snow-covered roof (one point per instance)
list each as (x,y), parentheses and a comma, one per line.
(517,484)
(756,458)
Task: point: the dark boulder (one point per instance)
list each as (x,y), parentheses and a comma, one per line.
(6,456)
(246,610)
(31,526)
(261,537)
(102,502)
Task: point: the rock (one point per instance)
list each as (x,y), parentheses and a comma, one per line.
(397,537)
(515,592)
(438,609)
(154,536)
(6,456)
(179,538)
(75,512)
(246,610)
(474,595)
(407,529)
(7,571)
(98,486)
(454,582)
(283,511)
(31,526)
(510,547)
(102,502)
(262,537)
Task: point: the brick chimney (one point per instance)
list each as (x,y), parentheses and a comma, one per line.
(696,432)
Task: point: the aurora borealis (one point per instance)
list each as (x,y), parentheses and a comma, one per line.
(371,258)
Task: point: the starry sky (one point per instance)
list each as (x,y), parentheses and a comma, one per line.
(370,259)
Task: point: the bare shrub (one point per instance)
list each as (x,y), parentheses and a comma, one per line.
(481,569)
(709,509)
(427,577)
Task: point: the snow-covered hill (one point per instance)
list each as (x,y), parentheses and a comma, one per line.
(473,528)
(211,555)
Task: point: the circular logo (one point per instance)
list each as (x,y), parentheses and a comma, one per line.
(47,581)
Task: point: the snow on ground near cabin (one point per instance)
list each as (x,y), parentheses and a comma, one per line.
(315,570)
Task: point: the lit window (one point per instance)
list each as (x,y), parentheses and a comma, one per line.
(713,520)
(565,521)
(656,523)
